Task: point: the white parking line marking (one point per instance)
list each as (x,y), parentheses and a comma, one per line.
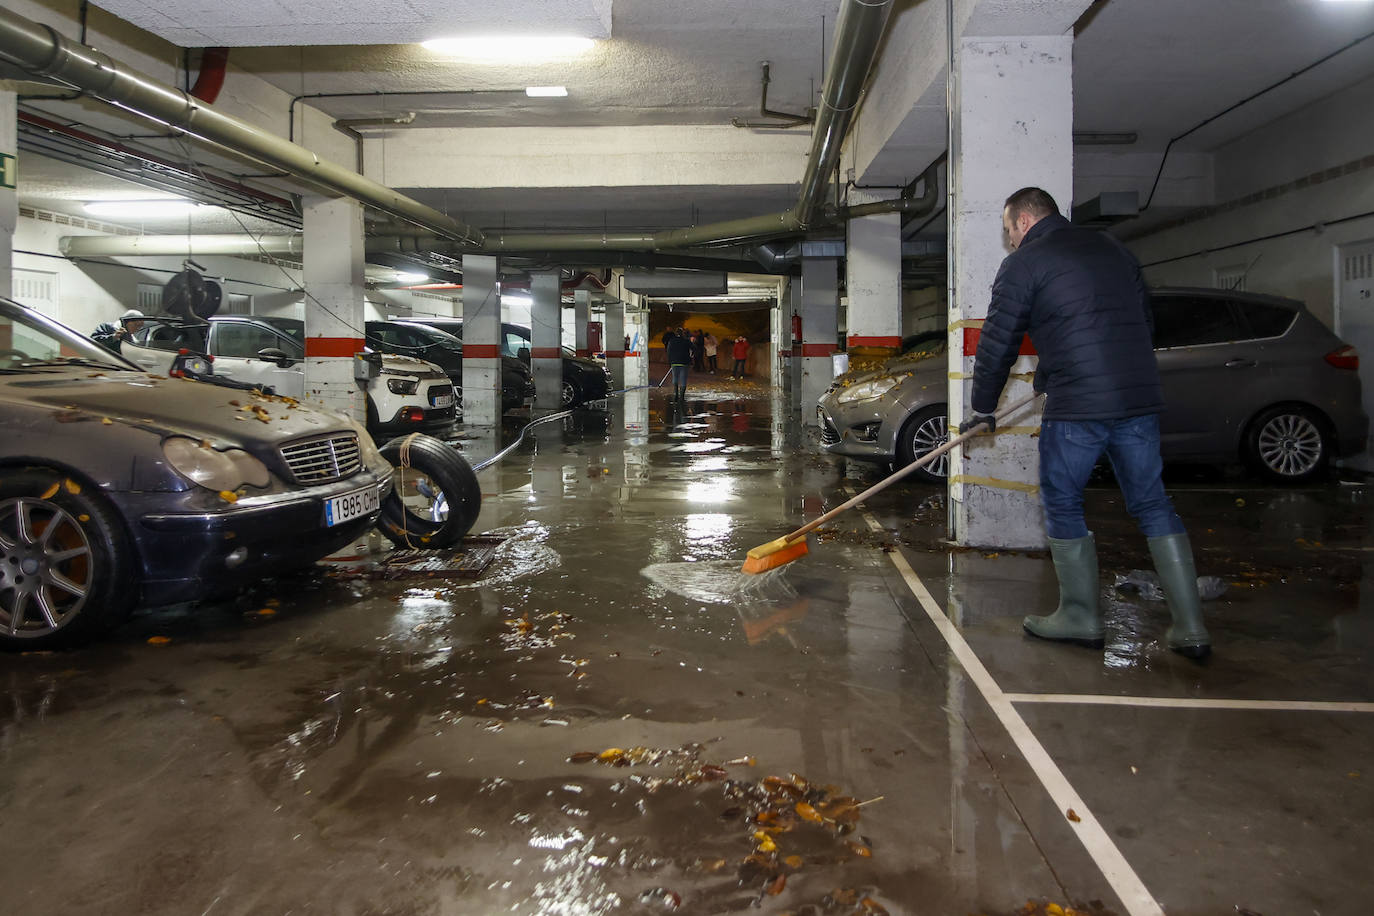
(1135,897)
(1190,702)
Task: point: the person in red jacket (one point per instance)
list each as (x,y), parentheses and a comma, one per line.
(741,352)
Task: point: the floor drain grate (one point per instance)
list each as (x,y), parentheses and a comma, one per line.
(466,562)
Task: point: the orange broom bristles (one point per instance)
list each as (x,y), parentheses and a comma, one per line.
(774,554)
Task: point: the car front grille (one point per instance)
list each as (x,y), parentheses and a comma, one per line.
(829,434)
(323,459)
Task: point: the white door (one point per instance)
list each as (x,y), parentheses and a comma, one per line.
(236,345)
(1355,324)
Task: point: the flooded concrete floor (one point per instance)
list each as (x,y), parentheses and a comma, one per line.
(614,721)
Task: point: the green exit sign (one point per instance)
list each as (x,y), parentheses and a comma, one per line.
(9,171)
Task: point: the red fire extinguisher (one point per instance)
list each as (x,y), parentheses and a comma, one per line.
(796,328)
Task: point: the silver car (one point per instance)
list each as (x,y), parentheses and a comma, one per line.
(1246,377)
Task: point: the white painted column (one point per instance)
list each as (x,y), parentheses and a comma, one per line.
(9,199)
(546,338)
(481,342)
(874,280)
(582,312)
(332,266)
(794,363)
(820,327)
(613,340)
(1011,126)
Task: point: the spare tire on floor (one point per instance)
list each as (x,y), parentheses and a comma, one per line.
(436,498)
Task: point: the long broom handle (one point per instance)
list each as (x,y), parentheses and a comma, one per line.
(924,460)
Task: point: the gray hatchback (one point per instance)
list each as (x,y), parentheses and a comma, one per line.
(1246,377)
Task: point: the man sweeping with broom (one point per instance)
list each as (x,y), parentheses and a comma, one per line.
(1080,296)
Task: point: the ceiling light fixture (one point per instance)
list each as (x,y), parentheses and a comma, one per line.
(546,92)
(162,208)
(511,48)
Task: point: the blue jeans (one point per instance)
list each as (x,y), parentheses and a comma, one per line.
(680,376)
(1068,451)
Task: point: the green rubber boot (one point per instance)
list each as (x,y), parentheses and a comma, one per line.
(1077,619)
(1173,557)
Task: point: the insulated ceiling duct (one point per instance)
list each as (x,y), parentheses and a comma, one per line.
(668,283)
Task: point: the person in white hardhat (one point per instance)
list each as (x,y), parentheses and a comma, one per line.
(131,321)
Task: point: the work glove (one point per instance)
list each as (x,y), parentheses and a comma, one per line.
(975,418)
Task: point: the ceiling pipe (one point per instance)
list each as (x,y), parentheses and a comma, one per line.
(214,64)
(40,50)
(128,246)
(783,119)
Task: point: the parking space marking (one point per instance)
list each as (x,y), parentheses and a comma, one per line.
(1134,896)
(1189,702)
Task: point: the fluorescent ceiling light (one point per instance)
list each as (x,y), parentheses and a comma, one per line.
(546,92)
(407,277)
(511,48)
(161,208)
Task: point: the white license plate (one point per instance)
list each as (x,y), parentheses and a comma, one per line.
(340,509)
(443,400)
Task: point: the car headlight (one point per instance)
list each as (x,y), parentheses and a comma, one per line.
(867,390)
(213,469)
(402,385)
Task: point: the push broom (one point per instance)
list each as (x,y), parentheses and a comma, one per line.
(792,546)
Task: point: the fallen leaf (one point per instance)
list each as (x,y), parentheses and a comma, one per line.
(228,496)
(159,640)
(1073,816)
(860,850)
(266,612)
(582,757)
(766,843)
(808,813)
(793,861)
(873,907)
(713,773)
(51,491)
(106,421)
(775,886)
(83,517)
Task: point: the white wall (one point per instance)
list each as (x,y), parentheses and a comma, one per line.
(1290,156)
(91,293)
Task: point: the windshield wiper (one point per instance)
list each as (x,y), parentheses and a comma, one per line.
(63,361)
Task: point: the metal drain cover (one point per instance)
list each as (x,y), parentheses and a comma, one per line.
(466,562)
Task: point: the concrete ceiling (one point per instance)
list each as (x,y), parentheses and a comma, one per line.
(1155,67)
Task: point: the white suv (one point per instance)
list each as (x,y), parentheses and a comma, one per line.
(409,395)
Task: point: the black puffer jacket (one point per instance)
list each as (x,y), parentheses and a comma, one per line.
(1079,294)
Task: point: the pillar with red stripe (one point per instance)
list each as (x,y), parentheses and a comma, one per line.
(820,329)
(874,279)
(481,342)
(582,314)
(614,343)
(332,262)
(546,339)
(1012,127)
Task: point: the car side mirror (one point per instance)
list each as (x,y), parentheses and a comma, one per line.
(274,355)
(523,354)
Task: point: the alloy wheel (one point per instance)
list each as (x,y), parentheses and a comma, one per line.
(1290,445)
(45,567)
(932,434)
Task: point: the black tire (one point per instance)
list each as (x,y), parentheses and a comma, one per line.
(1290,443)
(571,394)
(924,430)
(67,568)
(426,470)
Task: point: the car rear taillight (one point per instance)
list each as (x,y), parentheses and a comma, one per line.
(1344,358)
(412,414)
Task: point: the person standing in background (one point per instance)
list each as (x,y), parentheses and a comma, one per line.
(709,343)
(741,353)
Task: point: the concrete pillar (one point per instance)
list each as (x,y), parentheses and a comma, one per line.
(779,326)
(332,266)
(582,312)
(9,199)
(1011,125)
(820,325)
(546,339)
(481,342)
(874,280)
(794,363)
(613,334)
